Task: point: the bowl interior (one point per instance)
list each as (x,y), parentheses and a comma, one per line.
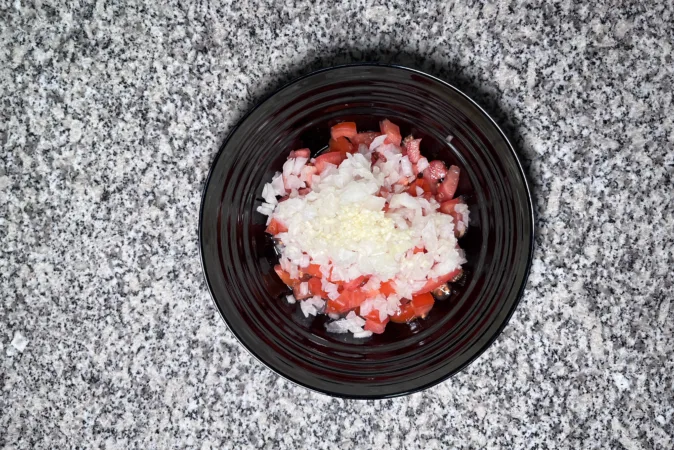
(239,258)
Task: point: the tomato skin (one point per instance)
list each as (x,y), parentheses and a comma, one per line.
(285,276)
(404,314)
(364,138)
(275,227)
(413,150)
(437,282)
(355,283)
(422,304)
(375,326)
(447,189)
(322,161)
(392,132)
(341,145)
(344,129)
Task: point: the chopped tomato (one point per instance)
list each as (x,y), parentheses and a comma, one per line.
(339,305)
(404,314)
(314,270)
(422,304)
(341,145)
(436,171)
(419,250)
(448,187)
(356,298)
(392,132)
(448,206)
(346,129)
(322,161)
(275,227)
(372,293)
(315,287)
(413,150)
(419,182)
(355,283)
(364,138)
(437,282)
(285,276)
(387,288)
(301,153)
(375,326)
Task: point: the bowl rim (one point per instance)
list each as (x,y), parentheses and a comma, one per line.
(520,292)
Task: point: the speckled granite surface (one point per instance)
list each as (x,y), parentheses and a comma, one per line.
(110,115)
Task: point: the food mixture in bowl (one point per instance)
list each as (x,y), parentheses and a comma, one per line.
(368,231)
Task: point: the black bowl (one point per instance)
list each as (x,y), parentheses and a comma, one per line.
(238,258)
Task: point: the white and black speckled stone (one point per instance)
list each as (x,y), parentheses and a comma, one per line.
(110,115)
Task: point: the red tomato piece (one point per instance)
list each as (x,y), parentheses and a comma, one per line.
(437,282)
(436,171)
(322,161)
(392,132)
(356,298)
(387,288)
(419,250)
(301,153)
(372,315)
(364,138)
(346,129)
(372,293)
(413,150)
(315,287)
(339,305)
(355,283)
(404,314)
(285,276)
(375,326)
(341,145)
(419,182)
(314,270)
(448,206)
(448,187)
(422,304)
(275,227)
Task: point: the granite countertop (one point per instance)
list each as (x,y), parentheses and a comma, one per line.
(110,115)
